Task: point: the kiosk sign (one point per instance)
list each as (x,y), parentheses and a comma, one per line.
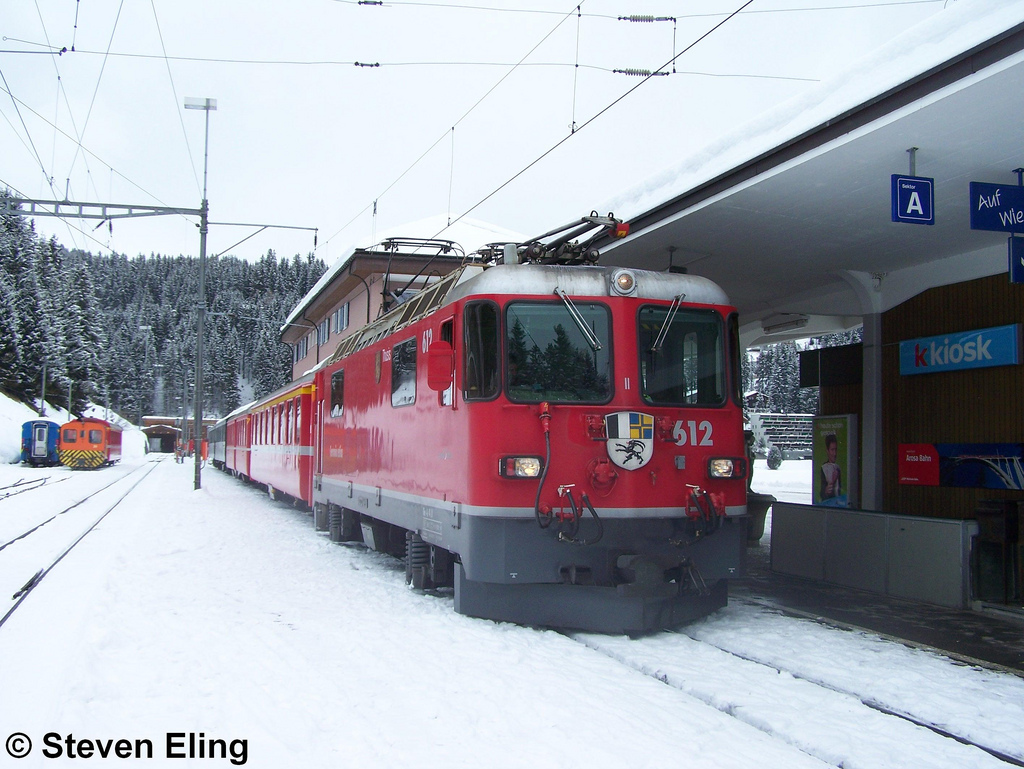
(981,348)
(997,207)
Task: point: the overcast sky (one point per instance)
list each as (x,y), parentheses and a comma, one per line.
(446,124)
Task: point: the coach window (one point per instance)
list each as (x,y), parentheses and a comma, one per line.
(403,373)
(95,436)
(70,436)
(298,418)
(480,378)
(338,393)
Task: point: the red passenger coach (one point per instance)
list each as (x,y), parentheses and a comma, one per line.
(561,442)
(238,445)
(231,442)
(279,431)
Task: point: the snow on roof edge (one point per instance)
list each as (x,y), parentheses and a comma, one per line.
(942,37)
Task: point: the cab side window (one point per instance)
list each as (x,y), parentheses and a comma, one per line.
(403,373)
(480,351)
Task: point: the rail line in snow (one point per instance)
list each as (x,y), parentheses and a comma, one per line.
(25,484)
(23,592)
(836,724)
(67,509)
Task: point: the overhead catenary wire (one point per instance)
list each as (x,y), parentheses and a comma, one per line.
(578,10)
(174,93)
(709,14)
(576,68)
(454,125)
(84,149)
(386,64)
(598,114)
(96,90)
(71,116)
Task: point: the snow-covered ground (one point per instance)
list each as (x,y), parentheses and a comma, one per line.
(220,615)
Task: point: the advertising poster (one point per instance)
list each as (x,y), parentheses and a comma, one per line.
(964,465)
(834,458)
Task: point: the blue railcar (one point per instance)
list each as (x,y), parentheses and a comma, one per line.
(39,442)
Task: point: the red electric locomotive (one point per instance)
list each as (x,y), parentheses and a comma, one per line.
(562,442)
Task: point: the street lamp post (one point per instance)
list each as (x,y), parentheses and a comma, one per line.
(207,105)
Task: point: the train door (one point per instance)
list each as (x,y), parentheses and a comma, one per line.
(39,436)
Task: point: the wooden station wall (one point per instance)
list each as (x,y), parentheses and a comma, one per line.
(974,406)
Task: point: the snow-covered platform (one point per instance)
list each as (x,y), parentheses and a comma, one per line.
(994,639)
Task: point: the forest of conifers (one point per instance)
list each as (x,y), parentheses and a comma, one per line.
(120,331)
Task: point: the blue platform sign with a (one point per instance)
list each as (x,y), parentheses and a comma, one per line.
(998,207)
(913,199)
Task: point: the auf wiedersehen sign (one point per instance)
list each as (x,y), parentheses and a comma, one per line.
(913,199)
(997,346)
(998,207)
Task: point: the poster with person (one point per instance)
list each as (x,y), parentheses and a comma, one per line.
(834,458)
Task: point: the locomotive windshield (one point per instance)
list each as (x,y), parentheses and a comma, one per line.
(554,356)
(682,357)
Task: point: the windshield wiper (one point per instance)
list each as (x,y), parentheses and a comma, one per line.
(672,310)
(592,340)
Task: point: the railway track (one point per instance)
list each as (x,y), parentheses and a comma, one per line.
(42,549)
(27,484)
(831,717)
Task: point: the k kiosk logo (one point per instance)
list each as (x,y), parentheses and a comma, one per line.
(997,346)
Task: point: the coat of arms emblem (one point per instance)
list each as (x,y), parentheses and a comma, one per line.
(630,438)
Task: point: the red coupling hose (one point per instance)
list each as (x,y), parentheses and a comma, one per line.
(545,417)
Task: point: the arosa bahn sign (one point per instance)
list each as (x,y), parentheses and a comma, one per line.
(981,348)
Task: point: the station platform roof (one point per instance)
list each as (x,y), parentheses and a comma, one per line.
(792,213)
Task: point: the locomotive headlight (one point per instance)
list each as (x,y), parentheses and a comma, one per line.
(723,467)
(520,467)
(624,283)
